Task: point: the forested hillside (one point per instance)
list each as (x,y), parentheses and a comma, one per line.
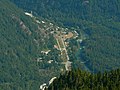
(24,42)
(79,80)
(98,19)
(18,70)
(69,11)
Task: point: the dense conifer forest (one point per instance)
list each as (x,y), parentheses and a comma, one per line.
(80,80)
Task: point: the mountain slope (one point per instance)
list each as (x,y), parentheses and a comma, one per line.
(23,44)
(32,49)
(65,11)
(17,69)
(98,19)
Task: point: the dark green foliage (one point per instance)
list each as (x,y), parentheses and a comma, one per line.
(79,80)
